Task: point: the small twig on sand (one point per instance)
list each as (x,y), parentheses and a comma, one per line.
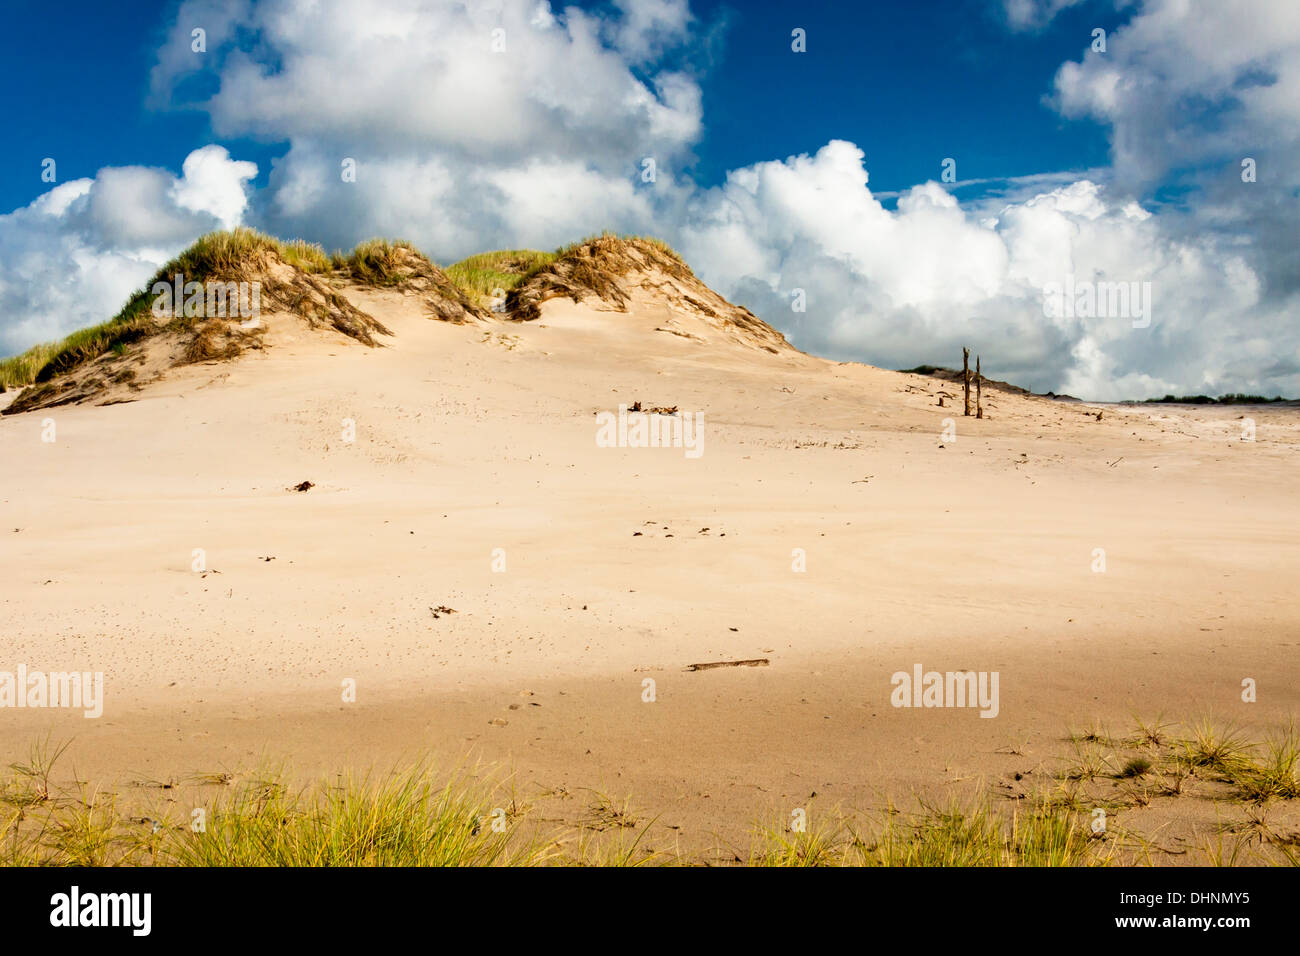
(755,662)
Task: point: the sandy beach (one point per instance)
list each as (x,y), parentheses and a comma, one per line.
(499,588)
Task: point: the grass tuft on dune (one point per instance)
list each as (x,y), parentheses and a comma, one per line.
(218,255)
(405,819)
(592,266)
(954,835)
(382,262)
(475,283)
(19,370)
(488,276)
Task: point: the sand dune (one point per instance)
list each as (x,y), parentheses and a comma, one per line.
(455,465)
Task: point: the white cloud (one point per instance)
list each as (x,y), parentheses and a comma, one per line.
(73,256)
(913,285)
(1190,90)
(460,133)
(210,182)
(1034,14)
(1191,82)
(648,27)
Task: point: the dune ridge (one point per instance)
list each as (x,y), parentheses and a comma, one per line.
(109,363)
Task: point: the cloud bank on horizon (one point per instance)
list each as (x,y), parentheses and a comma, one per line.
(483,126)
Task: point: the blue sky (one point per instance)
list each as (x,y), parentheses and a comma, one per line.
(909,83)
(85,107)
(781,175)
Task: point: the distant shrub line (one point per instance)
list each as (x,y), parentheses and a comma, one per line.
(1231,398)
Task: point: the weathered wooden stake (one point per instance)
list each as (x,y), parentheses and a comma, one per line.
(965,376)
(979,390)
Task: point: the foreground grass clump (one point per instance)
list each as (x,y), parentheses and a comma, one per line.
(955,835)
(1155,760)
(1238,799)
(1276,774)
(405,820)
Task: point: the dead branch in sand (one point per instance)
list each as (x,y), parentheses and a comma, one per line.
(965,377)
(755,662)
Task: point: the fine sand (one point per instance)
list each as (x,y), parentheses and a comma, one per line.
(623,565)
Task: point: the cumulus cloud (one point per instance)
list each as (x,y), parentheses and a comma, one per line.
(211,183)
(73,256)
(913,285)
(1187,84)
(466,123)
(1193,92)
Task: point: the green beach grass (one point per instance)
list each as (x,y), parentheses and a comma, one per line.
(487,276)
(215,255)
(415,816)
(483,279)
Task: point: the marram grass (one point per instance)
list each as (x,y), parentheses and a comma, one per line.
(416,817)
(1042,834)
(409,817)
(487,276)
(228,254)
(217,255)
(403,820)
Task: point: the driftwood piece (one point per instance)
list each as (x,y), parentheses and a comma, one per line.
(709,665)
(965,376)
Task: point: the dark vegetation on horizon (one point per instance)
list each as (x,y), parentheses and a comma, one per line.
(1231,398)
